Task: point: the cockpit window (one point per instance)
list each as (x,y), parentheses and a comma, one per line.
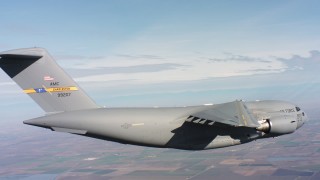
(298,109)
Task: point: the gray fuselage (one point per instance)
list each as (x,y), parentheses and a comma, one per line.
(158,127)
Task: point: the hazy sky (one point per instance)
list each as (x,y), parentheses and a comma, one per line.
(171,52)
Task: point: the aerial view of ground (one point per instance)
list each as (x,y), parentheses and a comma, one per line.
(35,153)
(168,53)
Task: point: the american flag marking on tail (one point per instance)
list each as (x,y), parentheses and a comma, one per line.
(48,78)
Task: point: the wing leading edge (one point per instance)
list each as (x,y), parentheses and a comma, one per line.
(233,113)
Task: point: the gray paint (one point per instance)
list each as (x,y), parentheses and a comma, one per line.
(193,128)
(33,77)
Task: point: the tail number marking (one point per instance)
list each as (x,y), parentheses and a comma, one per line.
(64,94)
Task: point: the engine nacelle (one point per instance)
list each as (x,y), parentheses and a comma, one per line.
(284,124)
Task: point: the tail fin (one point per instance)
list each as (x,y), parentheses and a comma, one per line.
(35,71)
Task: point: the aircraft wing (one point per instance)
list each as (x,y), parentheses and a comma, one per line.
(233,113)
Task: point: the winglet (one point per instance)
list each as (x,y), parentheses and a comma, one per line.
(233,113)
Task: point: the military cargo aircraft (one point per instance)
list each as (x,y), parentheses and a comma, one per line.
(68,109)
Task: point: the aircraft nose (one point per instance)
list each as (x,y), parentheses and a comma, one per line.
(304,119)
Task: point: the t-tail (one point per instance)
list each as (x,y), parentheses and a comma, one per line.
(35,71)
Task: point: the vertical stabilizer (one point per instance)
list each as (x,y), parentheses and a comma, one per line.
(35,71)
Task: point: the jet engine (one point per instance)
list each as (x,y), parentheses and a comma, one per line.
(279,125)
